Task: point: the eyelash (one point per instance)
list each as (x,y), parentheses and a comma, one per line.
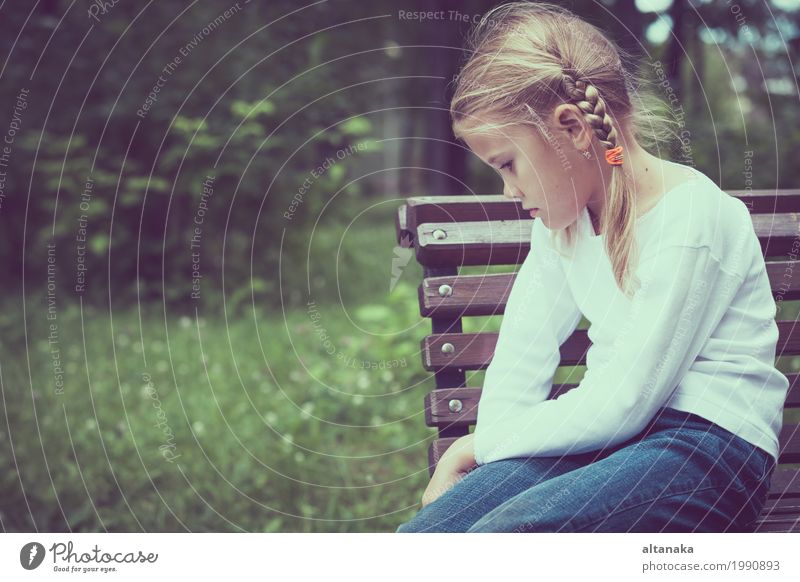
(506,164)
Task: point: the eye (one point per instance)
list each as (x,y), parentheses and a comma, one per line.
(507,164)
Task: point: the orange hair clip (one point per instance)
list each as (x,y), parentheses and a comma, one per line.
(614,156)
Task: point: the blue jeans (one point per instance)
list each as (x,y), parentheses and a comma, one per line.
(681,473)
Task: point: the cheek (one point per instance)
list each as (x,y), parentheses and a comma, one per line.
(535,179)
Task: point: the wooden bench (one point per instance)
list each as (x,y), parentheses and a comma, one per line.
(449,232)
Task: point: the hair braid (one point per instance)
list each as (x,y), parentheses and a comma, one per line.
(615,220)
(588,100)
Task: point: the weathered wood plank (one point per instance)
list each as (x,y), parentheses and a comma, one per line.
(478,295)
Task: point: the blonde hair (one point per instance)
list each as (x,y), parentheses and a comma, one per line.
(526,58)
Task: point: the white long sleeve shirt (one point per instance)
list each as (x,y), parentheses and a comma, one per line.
(698,336)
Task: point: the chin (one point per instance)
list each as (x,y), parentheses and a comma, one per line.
(551,226)
(546,221)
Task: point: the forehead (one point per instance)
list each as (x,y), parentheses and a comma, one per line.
(490,142)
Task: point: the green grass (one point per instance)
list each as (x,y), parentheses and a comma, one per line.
(290,438)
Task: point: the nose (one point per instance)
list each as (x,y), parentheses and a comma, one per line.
(511,192)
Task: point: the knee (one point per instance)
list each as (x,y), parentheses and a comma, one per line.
(513,526)
(404,528)
(432,519)
(414,525)
(515,519)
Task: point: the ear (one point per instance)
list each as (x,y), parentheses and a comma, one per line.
(568,120)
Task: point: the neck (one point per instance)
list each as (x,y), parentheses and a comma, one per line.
(643,170)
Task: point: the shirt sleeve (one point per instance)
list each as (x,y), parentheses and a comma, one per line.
(683,295)
(540,315)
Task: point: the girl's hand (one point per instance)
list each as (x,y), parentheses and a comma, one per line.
(457,461)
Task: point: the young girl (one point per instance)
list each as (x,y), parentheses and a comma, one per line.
(674,426)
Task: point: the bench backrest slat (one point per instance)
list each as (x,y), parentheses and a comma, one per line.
(507,242)
(475,295)
(474,351)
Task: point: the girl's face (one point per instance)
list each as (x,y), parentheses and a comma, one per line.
(553,177)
